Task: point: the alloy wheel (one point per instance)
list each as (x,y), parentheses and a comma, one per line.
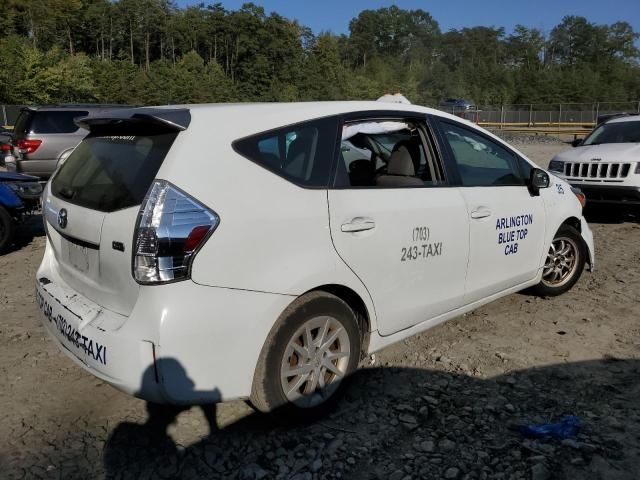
(561,262)
(315,361)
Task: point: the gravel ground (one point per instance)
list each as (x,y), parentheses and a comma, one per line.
(443,404)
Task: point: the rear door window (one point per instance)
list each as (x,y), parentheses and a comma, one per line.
(371,151)
(109,173)
(301,153)
(56,122)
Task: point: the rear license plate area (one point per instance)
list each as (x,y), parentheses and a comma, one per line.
(83,259)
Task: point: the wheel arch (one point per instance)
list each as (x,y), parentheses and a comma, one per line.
(577,224)
(357,304)
(572,222)
(258,395)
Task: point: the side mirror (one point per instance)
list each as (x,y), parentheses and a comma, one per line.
(576,142)
(538,179)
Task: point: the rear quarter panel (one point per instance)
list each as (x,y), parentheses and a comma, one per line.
(273,235)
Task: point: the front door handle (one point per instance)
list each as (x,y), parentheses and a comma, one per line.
(480,213)
(358,225)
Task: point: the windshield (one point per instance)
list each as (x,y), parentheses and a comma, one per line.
(618,132)
(109,173)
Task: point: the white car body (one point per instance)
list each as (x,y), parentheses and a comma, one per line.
(607,173)
(275,241)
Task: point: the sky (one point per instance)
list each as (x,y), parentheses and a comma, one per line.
(334,15)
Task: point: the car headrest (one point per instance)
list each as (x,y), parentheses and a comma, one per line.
(401,163)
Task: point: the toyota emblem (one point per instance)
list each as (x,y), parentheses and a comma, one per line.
(62,218)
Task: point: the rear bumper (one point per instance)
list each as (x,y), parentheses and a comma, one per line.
(602,194)
(118,358)
(182,343)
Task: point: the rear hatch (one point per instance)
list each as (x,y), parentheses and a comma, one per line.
(92,203)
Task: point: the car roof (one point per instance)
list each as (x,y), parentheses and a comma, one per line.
(632,117)
(305,110)
(241,119)
(237,120)
(69,106)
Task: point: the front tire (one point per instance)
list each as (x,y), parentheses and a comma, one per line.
(308,355)
(7,229)
(564,263)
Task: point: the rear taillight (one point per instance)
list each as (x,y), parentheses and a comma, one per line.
(28,145)
(172,226)
(5,147)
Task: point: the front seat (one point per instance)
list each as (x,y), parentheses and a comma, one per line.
(413,147)
(400,171)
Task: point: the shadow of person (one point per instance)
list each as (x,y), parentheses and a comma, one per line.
(135,450)
(435,423)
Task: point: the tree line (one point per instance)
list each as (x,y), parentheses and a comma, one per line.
(154,52)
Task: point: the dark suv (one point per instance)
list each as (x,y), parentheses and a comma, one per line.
(44,136)
(455,105)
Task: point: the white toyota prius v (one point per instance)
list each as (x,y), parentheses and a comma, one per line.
(203,253)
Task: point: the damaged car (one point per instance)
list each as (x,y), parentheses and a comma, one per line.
(19,197)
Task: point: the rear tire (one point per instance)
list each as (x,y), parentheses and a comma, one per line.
(7,229)
(310,352)
(564,264)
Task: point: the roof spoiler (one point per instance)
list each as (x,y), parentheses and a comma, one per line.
(177,119)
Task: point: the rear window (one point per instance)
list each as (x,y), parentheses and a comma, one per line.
(55,122)
(301,153)
(109,173)
(22,123)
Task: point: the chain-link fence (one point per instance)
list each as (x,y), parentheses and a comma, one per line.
(525,115)
(545,115)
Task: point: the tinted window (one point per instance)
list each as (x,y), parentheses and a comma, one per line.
(386,153)
(108,173)
(55,122)
(481,161)
(300,153)
(619,132)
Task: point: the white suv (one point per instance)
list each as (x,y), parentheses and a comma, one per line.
(205,253)
(606,164)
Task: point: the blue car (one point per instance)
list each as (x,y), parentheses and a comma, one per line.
(19,196)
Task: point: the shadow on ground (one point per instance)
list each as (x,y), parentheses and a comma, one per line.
(26,232)
(612,214)
(401,423)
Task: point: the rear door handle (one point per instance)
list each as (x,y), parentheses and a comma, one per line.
(480,213)
(358,225)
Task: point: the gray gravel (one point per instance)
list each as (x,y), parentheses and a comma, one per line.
(526,139)
(470,435)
